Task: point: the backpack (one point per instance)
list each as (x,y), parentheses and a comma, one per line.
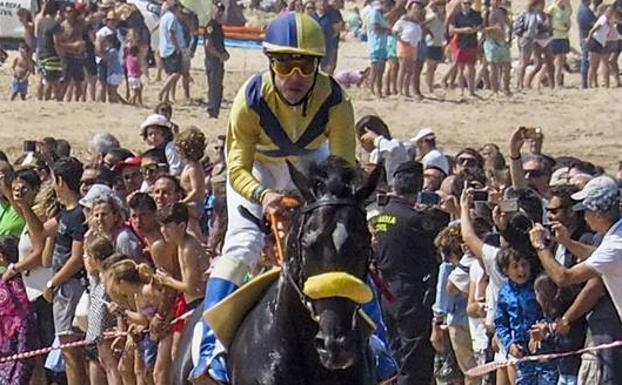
(520,25)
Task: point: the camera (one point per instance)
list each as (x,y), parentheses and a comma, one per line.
(508,205)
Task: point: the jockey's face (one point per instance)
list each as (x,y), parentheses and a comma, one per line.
(293,78)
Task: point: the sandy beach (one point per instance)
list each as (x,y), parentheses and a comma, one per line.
(574,122)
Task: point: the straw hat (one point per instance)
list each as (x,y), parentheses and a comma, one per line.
(111,15)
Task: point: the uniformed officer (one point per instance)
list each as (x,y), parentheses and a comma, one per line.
(406,259)
(215,57)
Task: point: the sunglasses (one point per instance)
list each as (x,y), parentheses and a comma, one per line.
(466,161)
(87,182)
(305,67)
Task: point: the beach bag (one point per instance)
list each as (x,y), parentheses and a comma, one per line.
(55,361)
(520,25)
(81,317)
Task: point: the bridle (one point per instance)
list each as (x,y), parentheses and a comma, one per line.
(305,211)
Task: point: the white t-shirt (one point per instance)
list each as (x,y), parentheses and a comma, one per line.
(436,37)
(37,278)
(606,260)
(392,151)
(600,35)
(497,279)
(460,275)
(408,31)
(479,339)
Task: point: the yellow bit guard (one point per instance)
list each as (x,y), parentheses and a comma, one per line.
(337,284)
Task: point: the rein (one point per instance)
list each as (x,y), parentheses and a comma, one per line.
(304,299)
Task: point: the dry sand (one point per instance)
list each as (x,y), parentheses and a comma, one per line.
(574,122)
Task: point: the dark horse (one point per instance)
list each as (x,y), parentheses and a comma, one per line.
(289,338)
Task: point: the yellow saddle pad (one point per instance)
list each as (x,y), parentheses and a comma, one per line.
(226,316)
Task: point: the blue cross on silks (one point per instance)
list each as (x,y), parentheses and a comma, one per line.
(273,128)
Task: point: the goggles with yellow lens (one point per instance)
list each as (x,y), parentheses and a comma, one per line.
(305,67)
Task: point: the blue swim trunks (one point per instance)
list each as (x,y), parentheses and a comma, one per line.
(19,86)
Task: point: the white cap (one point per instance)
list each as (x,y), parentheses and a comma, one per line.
(424,132)
(154,120)
(96,192)
(595,187)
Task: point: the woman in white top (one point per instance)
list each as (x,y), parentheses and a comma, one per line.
(601,43)
(409,34)
(35,264)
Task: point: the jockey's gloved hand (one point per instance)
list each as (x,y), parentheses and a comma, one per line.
(271,203)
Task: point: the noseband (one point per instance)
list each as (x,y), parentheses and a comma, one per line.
(306,210)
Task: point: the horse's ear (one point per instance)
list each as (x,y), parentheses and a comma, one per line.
(371,183)
(301,182)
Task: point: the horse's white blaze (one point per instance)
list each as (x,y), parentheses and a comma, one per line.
(340,235)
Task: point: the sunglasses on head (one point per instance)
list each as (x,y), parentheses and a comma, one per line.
(305,67)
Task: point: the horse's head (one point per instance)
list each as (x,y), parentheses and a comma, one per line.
(329,248)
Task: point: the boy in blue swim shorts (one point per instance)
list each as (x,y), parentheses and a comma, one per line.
(23,66)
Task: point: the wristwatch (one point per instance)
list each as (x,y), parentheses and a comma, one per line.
(49,285)
(564,321)
(12,268)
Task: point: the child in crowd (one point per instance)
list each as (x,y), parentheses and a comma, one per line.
(166,109)
(101,358)
(193,262)
(517,311)
(555,328)
(190,145)
(17,331)
(23,67)
(409,35)
(133,67)
(136,295)
(157,132)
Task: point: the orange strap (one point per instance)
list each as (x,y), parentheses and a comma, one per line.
(277,237)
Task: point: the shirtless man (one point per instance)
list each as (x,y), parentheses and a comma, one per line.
(72,54)
(164,256)
(496,47)
(23,66)
(193,262)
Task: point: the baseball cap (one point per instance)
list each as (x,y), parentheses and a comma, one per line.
(424,132)
(97,191)
(131,161)
(599,194)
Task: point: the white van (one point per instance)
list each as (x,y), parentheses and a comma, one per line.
(10,27)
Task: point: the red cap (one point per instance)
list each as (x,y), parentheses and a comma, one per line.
(131,161)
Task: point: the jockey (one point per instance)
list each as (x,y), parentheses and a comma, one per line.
(291,112)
